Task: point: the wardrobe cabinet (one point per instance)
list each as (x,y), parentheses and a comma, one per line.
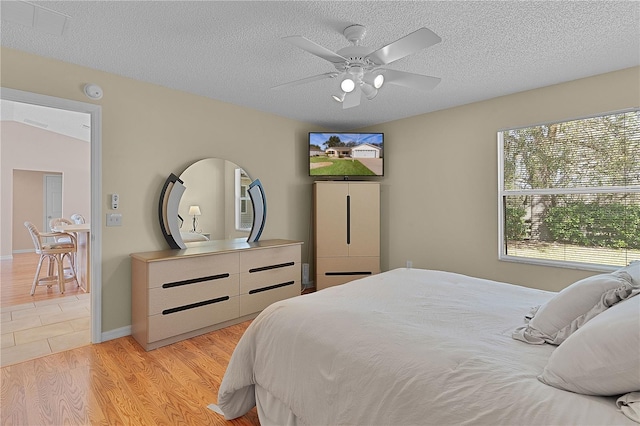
(346,231)
(177,294)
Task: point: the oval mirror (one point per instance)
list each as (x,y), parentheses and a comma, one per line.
(215,204)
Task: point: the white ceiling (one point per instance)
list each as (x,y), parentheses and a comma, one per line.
(232,51)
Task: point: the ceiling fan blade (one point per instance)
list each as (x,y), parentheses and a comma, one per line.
(417,40)
(307,80)
(410,80)
(315,49)
(352,99)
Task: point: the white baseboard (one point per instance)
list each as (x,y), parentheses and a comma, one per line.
(115,334)
(10,256)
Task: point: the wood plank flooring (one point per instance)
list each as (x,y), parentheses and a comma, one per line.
(117,382)
(16,278)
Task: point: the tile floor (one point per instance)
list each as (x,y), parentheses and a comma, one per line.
(41,328)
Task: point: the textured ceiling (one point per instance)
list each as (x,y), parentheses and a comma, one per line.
(232,51)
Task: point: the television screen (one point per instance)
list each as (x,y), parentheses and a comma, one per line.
(346,154)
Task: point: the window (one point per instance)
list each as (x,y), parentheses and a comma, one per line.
(569,192)
(243,206)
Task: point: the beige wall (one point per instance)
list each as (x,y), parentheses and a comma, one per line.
(26,147)
(438,165)
(149,132)
(28,185)
(439,194)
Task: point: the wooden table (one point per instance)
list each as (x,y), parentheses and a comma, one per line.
(83,255)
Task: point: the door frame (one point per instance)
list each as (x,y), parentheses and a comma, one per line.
(95,111)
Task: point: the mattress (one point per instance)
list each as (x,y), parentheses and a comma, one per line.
(404,347)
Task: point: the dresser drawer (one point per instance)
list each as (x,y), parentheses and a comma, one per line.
(180,295)
(265,258)
(332,271)
(255,302)
(177,270)
(162,326)
(268,277)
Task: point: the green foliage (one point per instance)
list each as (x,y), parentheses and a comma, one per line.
(333,141)
(516,228)
(592,152)
(613,225)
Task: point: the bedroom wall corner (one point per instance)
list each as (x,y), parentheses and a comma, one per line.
(439,195)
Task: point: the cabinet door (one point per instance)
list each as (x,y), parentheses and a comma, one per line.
(331,219)
(365,219)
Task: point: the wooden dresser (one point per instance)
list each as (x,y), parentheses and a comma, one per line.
(178,294)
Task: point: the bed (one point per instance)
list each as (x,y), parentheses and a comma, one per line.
(409,347)
(192,237)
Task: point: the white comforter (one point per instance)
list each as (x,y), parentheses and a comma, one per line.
(406,347)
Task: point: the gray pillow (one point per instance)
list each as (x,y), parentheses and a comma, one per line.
(634,271)
(602,357)
(570,309)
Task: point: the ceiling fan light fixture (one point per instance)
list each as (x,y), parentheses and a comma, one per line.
(369,91)
(378,81)
(374,79)
(347,85)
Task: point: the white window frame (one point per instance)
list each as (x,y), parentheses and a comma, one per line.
(584,190)
(241,200)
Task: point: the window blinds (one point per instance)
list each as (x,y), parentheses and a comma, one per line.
(570,191)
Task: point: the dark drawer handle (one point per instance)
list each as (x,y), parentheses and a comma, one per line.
(195,280)
(266,268)
(329,274)
(271,287)
(194,305)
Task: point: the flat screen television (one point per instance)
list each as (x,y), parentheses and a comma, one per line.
(346,154)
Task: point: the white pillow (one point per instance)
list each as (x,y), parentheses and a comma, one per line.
(602,357)
(568,310)
(633,269)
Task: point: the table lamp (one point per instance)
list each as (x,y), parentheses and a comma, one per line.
(194,211)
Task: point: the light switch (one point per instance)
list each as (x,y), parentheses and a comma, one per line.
(114,219)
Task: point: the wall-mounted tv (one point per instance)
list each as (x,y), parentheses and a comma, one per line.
(346,154)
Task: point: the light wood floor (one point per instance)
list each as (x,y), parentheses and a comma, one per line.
(16,278)
(117,382)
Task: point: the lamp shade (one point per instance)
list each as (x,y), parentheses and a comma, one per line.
(369,91)
(194,210)
(338,98)
(376,79)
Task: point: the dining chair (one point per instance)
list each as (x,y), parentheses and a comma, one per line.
(64,238)
(53,223)
(55,254)
(78,219)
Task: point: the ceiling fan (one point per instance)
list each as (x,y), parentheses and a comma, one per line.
(359,67)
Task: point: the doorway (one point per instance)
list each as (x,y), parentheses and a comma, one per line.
(52,199)
(62,107)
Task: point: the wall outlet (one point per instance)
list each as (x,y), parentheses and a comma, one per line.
(115,201)
(409,264)
(114,219)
